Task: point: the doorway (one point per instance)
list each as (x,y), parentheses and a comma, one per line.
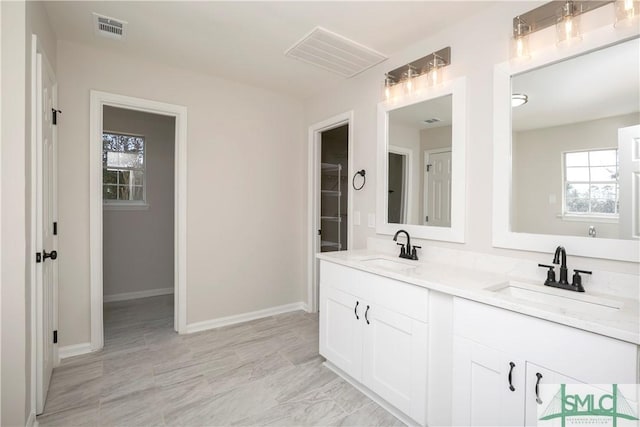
(124,184)
(399,184)
(330,193)
(138,209)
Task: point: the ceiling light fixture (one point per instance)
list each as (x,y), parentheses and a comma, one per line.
(411,75)
(518,99)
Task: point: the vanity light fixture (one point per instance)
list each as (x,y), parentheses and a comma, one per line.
(568,25)
(565,15)
(518,99)
(627,11)
(410,75)
(520,38)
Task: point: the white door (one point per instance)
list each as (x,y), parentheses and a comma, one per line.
(488,386)
(629,181)
(394,360)
(46,270)
(341,318)
(437,179)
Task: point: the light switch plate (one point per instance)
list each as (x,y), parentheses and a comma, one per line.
(356,217)
(372,220)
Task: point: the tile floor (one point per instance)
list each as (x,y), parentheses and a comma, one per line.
(264,372)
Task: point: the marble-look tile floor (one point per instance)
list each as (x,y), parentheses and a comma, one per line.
(263,372)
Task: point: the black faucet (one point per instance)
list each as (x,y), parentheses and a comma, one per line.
(560,257)
(409,252)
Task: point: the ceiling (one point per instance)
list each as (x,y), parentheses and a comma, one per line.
(414,116)
(245,41)
(603,83)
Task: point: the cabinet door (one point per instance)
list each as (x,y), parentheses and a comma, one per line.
(541,396)
(482,392)
(395,360)
(341,331)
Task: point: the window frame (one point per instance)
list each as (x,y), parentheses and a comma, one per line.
(116,204)
(587,216)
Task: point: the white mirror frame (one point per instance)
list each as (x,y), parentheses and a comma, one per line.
(503,237)
(455,233)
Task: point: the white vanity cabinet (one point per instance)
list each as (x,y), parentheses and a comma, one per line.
(374,330)
(500,356)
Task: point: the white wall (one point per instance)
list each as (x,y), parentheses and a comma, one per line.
(537,173)
(477,44)
(138,244)
(245,181)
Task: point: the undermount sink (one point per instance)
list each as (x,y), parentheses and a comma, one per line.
(387,264)
(537,294)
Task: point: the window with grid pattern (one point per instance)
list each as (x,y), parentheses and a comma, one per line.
(123,169)
(591,183)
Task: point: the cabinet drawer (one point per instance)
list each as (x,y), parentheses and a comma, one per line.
(410,300)
(589,357)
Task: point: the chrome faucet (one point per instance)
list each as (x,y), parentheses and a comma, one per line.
(560,258)
(409,252)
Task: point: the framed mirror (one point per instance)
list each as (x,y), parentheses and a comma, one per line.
(566,161)
(422,162)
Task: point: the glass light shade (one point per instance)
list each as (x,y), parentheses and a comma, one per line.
(409,83)
(568,29)
(626,11)
(520,47)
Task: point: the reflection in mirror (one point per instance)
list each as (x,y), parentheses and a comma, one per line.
(419,163)
(572,141)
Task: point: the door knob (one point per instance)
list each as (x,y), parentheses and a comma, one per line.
(53,255)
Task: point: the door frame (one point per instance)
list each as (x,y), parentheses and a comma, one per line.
(35,194)
(98,100)
(313,197)
(407,184)
(425,177)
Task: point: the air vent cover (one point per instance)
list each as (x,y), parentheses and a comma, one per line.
(109,27)
(432,120)
(334,53)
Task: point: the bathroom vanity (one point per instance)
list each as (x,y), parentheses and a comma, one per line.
(441,344)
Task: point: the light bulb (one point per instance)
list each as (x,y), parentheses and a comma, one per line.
(568,26)
(387,92)
(626,11)
(434,76)
(408,84)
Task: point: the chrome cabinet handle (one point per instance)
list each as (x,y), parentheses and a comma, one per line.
(511,366)
(539,375)
(355,310)
(365,315)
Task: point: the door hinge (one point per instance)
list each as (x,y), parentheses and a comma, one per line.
(38,257)
(319,232)
(429,167)
(54,118)
(55,337)
(426,218)
(55,228)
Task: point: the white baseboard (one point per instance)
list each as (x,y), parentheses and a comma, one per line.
(135,295)
(74,350)
(244,317)
(31,421)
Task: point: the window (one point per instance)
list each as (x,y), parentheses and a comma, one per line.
(591,183)
(123,169)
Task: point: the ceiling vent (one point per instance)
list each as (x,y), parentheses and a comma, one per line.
(432,120)
(334,53)
(109,27)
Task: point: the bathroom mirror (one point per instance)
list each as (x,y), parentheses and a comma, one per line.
(421,164)
(571,144)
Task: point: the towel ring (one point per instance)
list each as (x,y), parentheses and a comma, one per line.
(364,179)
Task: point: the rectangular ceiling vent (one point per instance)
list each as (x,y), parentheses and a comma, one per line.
(334,53)
(433,120)
(109,27)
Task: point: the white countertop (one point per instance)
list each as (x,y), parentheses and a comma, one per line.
(459,281)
